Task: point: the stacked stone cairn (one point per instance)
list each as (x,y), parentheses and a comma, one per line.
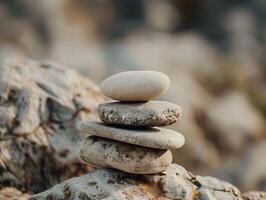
(129,139)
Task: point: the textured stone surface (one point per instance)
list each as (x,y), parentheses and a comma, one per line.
(40,106)
(218,189)
(10,193)
(100,184)
(125,157)
(159,138)
(174,183)
(254,195)
(148,114)
(24,167)
(135,85)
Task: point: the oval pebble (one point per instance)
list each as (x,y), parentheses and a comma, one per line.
(135,85)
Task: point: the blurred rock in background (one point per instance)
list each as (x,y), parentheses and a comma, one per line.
(213,51)
(41,105)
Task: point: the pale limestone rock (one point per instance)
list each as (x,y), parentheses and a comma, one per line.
(218,189)
(254,195)
(174,183)
(135,85)
(100,184)
(125,157)
(40,107)
(159,138)
(147,114)
(206,195)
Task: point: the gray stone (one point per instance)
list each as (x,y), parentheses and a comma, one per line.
(254,195)
(135,85)
(100,184)
(218,189)
(122,156)
(206,195)
(40,106)
(159,138)
(174,183)
(147,114)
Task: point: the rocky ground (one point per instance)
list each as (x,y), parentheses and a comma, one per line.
(213,54)
(41,106)
(174,183)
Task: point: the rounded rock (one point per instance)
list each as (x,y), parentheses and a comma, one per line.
(159,138)
(135,85)
(147,114)
(129,158)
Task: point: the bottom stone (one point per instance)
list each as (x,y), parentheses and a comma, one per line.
(129,158)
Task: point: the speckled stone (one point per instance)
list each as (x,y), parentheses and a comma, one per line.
(159,138)
(135,85)
(125,157)
(147,114)
(173,183)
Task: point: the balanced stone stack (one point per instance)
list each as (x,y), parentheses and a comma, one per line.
(129,139)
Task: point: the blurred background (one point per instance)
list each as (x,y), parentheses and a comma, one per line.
(214,52)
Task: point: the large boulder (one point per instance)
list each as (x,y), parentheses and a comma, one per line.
(40,107)
(174,183)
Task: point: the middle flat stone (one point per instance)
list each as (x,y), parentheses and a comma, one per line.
(159,138)
(145,114)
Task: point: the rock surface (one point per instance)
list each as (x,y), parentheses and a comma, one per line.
(174,183)
(125,157)
(148,114)
(135,85)
(159,138)
(41,158)
(10,193)
(254,195)
(40,106)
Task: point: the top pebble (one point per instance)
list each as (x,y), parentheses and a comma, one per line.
(135,86)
